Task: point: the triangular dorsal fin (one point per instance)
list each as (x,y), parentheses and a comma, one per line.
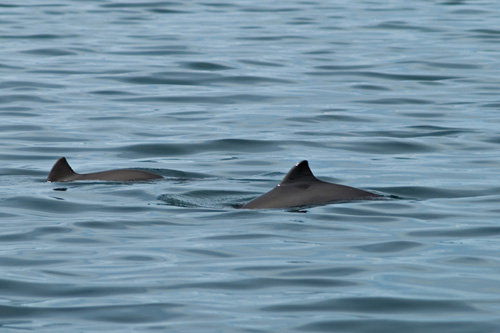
(300,172)
(61,171)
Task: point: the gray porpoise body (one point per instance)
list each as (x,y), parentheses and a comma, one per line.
(62,172)
(301,188)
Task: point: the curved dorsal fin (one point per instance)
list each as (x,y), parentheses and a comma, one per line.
(61,171)
(300,172)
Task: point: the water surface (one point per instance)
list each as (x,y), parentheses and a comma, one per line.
(222,99)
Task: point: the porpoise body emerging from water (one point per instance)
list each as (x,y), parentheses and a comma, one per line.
(301,188)
(62,172)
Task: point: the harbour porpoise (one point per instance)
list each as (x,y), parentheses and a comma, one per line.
(62,172)
(301,188)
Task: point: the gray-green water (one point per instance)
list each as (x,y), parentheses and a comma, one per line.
(222,98)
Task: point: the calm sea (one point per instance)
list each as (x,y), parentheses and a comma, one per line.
(222,98)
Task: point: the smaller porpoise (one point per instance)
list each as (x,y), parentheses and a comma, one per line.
(301,188)
(62,172)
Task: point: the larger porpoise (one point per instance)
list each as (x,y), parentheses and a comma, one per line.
(301,188)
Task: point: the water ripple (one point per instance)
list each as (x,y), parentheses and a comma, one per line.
(261,283)
(188,78)
(384,247)
(133,313)
(204,66)
(377,305)
(461,233)
(223,99)
(327,70)
(409,326)
(208,146)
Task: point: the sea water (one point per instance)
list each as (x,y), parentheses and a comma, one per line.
(222,98)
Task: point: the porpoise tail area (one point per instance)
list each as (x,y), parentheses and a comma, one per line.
(62,172)
(301,188)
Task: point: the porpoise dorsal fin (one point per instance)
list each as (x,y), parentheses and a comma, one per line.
(300,172)
(61,171)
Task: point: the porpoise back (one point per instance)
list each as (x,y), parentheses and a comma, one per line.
(62,172)
(301,188)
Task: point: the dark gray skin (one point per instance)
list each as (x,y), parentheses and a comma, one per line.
(301,188)
(62,172)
